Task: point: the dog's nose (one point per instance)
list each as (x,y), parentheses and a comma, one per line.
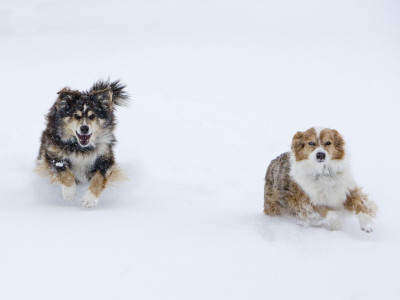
(320,155)
(84,129)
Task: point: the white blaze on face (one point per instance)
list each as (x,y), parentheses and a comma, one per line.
(313,155)
(83,131)
(318,130)
(84,122)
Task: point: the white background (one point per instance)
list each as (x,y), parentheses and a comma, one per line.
(218,90)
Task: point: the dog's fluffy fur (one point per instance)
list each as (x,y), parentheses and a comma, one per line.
(313,182)
(77,144)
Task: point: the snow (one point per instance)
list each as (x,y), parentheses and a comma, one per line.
(218,90)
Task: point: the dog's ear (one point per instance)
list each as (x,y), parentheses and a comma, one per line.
(298,142)
(104,97)
(338,140)
(65,97)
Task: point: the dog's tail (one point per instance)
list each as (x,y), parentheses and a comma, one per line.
(119,95)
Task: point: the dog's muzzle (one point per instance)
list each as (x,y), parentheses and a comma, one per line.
(84,137)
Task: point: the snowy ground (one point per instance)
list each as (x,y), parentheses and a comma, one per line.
(218,88)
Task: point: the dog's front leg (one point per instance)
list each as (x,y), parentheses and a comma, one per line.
(96,186)
(358,203)
(63,175)
(68,186)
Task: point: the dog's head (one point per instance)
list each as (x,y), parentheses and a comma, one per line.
(84,116)
(318,145)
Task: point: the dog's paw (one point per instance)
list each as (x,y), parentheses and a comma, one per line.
(89,200)
(366,223)
(367,228)
(68,192)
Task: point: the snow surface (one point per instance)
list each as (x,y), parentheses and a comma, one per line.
(219,88)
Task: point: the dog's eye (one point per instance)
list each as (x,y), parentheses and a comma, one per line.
(77,117)
(311,143)
(327,143)
(91,117)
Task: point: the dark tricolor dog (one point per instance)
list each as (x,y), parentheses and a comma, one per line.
(77,144)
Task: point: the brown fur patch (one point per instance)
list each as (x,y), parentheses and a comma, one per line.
(323,211)
(357,202)
(97,184)
(283,196)
(333,143)
(300,143)
(67,178)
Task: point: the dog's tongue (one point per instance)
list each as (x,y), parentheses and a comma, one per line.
(84,139)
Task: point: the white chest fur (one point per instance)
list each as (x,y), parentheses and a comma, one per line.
(326,185)
(82,164)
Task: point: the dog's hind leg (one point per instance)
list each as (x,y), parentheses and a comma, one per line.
(96,186)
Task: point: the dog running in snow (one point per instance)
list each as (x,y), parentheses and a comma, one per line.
(313,182)
(77,144)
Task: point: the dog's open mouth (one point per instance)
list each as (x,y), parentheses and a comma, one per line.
(83,138)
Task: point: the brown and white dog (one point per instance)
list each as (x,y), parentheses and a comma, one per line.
(313,182)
